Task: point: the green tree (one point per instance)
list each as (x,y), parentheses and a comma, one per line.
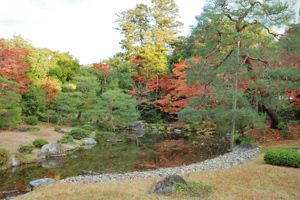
(148,33)
(34,101)
(234,72)
(65,67)
(119,107)
(10,99)
(64,106)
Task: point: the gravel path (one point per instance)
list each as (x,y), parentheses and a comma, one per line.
(240,155)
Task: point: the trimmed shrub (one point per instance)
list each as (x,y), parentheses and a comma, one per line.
(79,133)
(25,148)
(31,120)
(33,128)
(282,157)
(57,128)
(65,139)
(4,157)
(39,142)
(88,127)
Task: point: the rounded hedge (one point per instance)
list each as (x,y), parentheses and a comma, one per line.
(39,142)
(79,133)
(284,157)
(88,127)
(57,128)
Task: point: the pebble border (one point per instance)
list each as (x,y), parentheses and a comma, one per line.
(239,155)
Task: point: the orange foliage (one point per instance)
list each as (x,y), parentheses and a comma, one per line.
(174,91)
(104,69)
(14,65)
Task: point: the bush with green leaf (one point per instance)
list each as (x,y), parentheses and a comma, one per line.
(79,133)
(65,139)
(32,120)
(4,157)
(33,128)
(39,142)
(25,148)
(192,189)
(284,157)
(88,127)
(246,139)
(57,128)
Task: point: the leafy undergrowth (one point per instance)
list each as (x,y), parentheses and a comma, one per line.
(272,136)
(192,189)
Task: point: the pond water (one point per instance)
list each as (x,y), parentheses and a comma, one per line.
(150,151)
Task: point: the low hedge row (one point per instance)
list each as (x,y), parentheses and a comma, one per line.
(284,157)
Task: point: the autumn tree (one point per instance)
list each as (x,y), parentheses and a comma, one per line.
(234,35)
(148,33)
(38,57)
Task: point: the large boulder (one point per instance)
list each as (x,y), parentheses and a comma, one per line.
(51,150)
(135,125)
(167,185)
(35,183)
(88,141)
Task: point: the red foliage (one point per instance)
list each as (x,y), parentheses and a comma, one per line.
(272,135)
(173,89)
(51,90)
(104,69)
(13,65)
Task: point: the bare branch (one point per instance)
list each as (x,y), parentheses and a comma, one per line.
(266,63)
(254,22)
(216,48)
(227,56)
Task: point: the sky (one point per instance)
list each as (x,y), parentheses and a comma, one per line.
(84,28)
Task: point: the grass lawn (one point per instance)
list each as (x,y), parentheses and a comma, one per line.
(253,180)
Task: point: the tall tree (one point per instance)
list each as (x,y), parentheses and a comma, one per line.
(236,33)
(148,33)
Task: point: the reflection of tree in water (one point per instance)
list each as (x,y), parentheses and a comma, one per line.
(171,153)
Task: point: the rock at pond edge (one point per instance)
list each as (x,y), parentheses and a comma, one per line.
(35,183)
(166,185)
(88,141)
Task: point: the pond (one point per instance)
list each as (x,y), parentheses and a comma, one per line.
(150,151)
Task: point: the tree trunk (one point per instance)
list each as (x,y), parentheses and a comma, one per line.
(79,115)
(272,114)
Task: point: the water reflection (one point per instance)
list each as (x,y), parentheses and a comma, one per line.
(53,162)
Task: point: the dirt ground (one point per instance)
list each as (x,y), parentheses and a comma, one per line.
(11,140)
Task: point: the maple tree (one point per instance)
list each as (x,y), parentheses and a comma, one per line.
(13,64)
(173,88)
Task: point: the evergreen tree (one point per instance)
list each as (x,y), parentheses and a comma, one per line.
(233,71)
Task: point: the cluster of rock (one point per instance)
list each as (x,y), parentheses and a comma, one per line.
(239,155)
(56,152)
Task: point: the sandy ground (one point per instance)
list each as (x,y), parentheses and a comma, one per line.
(11,140)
